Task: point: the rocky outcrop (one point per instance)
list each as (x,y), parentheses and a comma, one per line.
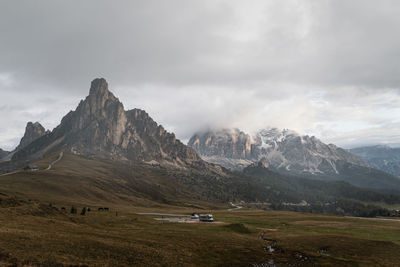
(262,163)
(229,143)
(230,148)
(32,132)
(101,127)
(280,150)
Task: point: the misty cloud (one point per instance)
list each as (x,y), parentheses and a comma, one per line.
(328,68)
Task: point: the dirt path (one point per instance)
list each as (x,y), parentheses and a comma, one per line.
(54,162)
(48,168)
(9,173)
(235,207)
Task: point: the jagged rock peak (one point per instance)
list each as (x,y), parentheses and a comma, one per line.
(99,86)
(32,132)
(99,102)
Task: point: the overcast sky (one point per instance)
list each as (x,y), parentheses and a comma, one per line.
(324,68)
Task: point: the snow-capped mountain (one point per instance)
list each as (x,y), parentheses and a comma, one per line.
(285,151)
(289,151)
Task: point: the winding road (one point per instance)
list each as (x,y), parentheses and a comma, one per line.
(8,173)
(48,168)
(54,162)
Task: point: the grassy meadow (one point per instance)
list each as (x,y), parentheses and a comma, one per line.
(34,231)
(35,234)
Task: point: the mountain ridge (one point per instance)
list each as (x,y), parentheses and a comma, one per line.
(284,149)
(381,157)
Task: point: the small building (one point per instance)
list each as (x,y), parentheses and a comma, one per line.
(31,168)
(395,213)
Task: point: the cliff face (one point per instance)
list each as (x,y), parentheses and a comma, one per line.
(230,143)
(284,151)
(101,127)
(230,148)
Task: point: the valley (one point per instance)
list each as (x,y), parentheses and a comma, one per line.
(91,192)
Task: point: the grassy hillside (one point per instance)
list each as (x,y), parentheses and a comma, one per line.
(313,190)
(360,176)
(98,182)
(79,180)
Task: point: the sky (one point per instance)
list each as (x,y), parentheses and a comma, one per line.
(328,68)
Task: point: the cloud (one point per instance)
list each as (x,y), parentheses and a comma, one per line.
(328,68)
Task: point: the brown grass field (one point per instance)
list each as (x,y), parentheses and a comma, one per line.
(33,233)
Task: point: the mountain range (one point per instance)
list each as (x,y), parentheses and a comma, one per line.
(287,152)
(381,157)
(124,155)
(284,150)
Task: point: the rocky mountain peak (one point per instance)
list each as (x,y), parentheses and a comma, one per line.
(100,127)
(98,87)
(99,99)
(32,132)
